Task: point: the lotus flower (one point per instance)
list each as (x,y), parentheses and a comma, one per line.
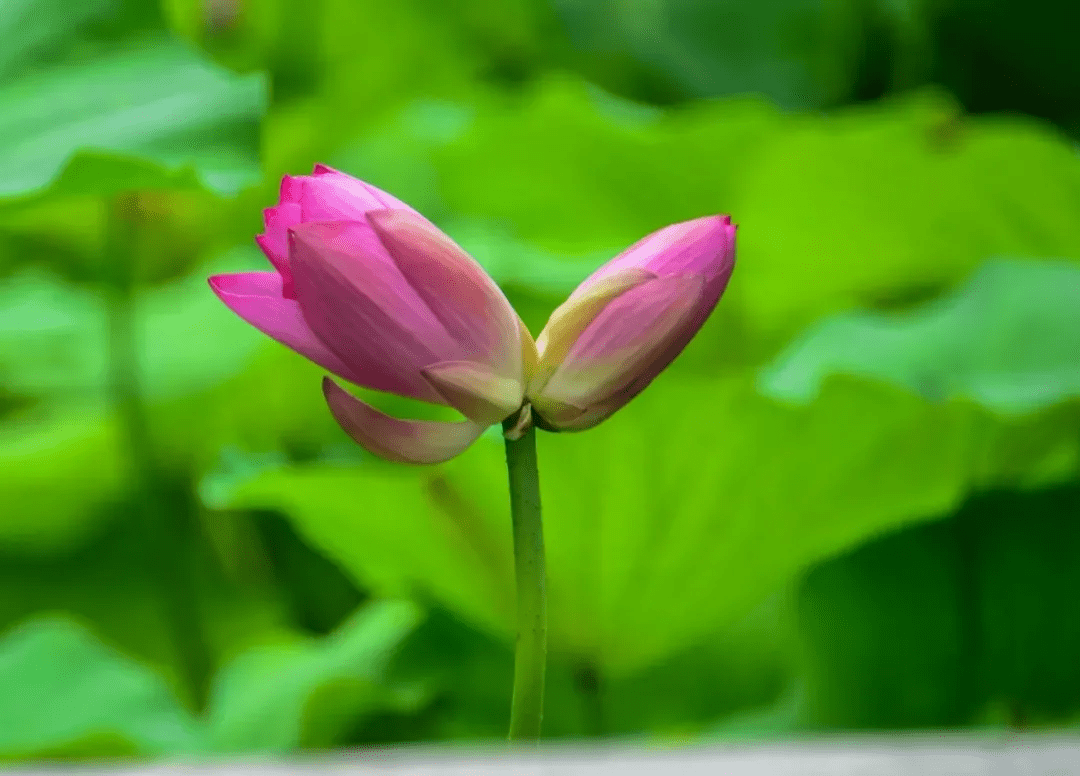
(373,292)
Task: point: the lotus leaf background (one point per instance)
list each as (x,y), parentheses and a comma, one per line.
(853,503)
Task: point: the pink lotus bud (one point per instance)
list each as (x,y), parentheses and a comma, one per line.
(372,291)
(625,323)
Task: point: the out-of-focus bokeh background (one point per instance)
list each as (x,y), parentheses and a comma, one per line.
(853,503)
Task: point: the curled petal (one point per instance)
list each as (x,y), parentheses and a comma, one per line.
(631,341)
(574,315)
(475,391)
(356,300)
(404,441)
(466,301)
(257,297)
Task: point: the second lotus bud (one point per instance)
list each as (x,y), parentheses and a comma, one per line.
(625,323)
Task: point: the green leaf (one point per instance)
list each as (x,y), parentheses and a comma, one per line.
(129,578)
(101,101)
(1008,339)
(600,173)
(52,502)
(945,624)
(471,674)
(64,692)
(780,719)
(277,697)
(54,336)
(1024,547)
(801,53)
(457,551)
(53,354)
(870,206)
(666,522)
(745,664)
(883,639)
(1015,48)
(875,206)
(885,204)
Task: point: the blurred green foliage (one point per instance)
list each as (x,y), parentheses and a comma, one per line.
(265,699)
(851,503)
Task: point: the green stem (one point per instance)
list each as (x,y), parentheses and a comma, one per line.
(530,655)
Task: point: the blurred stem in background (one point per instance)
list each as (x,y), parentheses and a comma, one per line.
(530,653)
(162,510)
(587,680)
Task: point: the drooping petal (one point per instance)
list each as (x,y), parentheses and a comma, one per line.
(572,317)
(455,288)
(404,441)
(631,341)
(475,391)
(703,246)
(257,298)
(357,302)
